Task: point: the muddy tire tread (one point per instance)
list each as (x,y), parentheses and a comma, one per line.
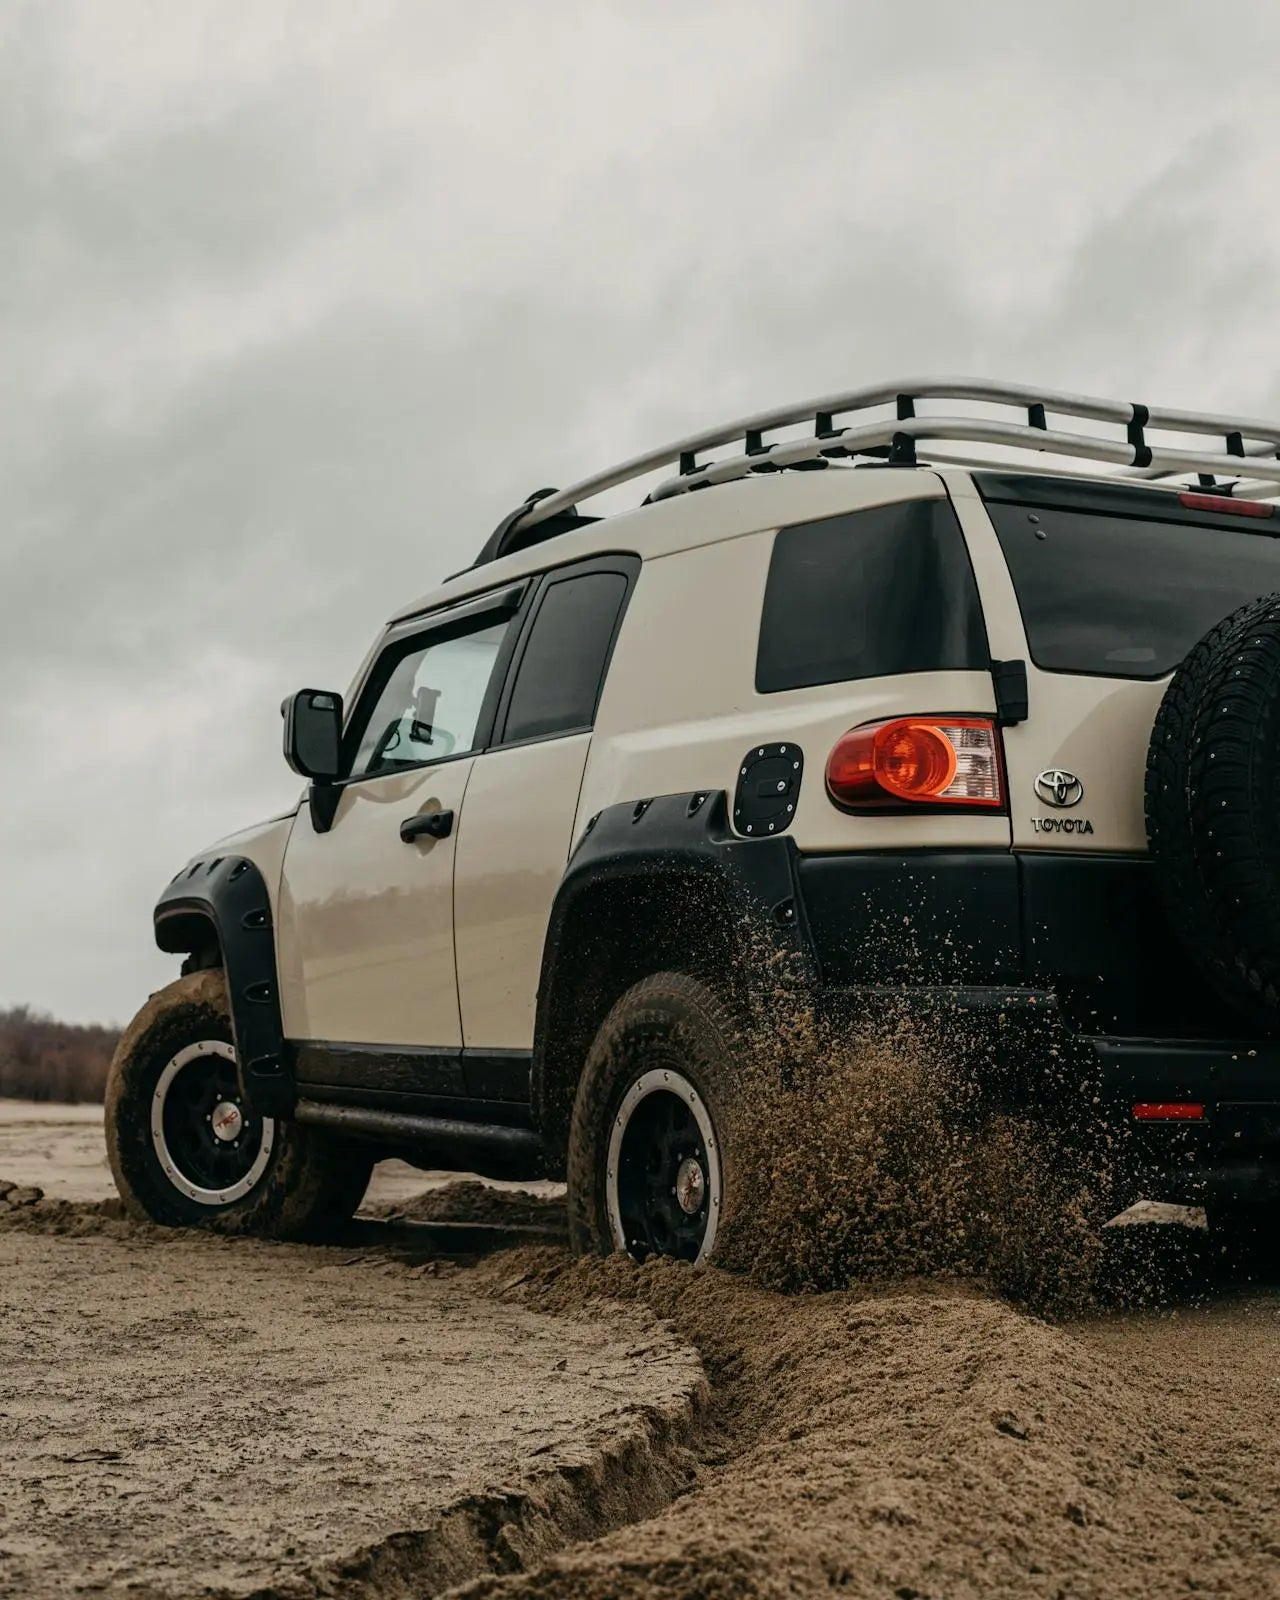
(666,1013)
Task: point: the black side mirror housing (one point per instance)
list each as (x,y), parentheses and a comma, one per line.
(313,734)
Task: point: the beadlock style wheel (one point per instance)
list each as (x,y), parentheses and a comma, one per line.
(209,1144)
(188,1151)
(662,1178)
(650,1163)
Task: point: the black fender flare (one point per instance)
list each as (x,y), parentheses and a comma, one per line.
(228,896)
(709,892)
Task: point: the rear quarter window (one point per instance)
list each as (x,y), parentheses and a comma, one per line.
(561,672)
(1121,594)
(867,595)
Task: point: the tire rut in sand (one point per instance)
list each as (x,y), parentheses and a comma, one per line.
(921,1440)
(620,1478)
(912,1439)
(184,1413)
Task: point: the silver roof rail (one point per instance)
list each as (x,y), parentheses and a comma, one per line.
(1125,442)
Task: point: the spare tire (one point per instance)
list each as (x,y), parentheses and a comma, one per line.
(1213,808)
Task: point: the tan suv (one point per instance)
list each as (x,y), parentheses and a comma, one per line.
(973,736)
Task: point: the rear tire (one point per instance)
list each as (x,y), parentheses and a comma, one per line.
(185,1148)
(648,1170)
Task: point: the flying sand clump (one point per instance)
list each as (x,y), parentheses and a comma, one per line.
(884,1152)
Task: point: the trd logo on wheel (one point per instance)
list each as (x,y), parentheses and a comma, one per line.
(1058,788)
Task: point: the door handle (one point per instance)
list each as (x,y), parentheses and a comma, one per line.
(434,824)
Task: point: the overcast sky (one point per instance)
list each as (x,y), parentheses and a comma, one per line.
(297,301)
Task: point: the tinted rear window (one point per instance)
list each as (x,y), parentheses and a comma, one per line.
(869,595)
(1127,597)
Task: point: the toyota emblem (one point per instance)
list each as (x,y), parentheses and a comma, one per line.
(1058,788)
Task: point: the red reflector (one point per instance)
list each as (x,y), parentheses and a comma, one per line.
(1168,1111)
(1224,502)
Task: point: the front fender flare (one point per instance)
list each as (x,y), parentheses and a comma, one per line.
(230,893)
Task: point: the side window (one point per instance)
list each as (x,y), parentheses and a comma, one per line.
(561,671)
(869,595)
(432,695)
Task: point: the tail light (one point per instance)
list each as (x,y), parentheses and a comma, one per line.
(939,761)
(1168,1111)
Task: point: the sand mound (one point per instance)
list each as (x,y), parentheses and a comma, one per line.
(78,1219)
(919,1440)
(907,1439)
(472,1201)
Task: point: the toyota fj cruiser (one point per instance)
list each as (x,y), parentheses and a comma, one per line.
(1001,736)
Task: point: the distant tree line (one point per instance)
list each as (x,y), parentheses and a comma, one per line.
(41,1059)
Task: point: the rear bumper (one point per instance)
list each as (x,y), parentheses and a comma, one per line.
(1088,925)
(1027,1054)
(1231,1151)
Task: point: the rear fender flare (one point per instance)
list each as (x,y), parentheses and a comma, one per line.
(658,883)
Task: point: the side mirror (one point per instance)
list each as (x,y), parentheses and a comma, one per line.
(313,734)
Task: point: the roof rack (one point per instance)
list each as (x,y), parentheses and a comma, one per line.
(1245,442)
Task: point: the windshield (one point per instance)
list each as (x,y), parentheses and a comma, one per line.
(1115,594)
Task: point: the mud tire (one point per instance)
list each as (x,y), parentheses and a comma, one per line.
(1212,799)
(667,1021)
(312,1182)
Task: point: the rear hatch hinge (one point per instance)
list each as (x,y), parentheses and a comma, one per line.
(1010,681)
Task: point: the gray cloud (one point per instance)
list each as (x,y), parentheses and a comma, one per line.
(297,301)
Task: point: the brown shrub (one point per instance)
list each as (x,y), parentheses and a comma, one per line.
(41,1059)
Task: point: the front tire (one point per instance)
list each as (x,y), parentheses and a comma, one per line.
(187,1150)
(647,1165)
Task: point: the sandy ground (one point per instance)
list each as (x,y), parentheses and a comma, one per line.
(58,1148)
(927,1440)
(405,1413)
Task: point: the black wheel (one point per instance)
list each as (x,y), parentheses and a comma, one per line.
(1212,799)
(185,1147)
(647,1162)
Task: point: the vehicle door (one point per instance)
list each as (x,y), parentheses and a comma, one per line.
(517,827)
(366,923)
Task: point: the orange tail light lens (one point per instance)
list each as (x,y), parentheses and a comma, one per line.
(949,761)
